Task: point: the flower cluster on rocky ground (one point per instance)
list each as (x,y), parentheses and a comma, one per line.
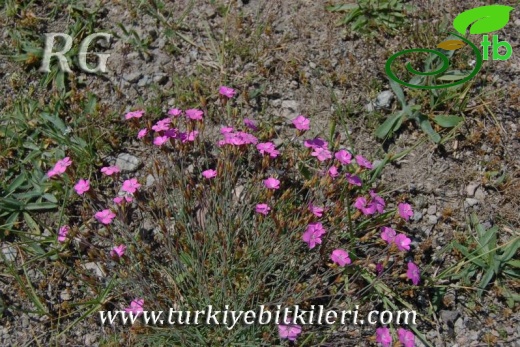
(320,195)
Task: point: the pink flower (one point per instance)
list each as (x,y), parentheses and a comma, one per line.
(162,125)
(413,273)
(121,199)
(272,183)
(340,257)
(383,337)
(263,209)
(363,162)
(62,233)
(267,148)
(142,133)
(313,233)
(174,112)
(344,157)
(171,133)
(226,130)
(402,242)
(406,337)
(209,173)
(237,139)
(82,186)
(361,204)
(160,140)
(333,172)
(289,331)
(227,91)
(105,216)
(322,154)
(188,137)
(251,124)
(405,211)
(194,114)
(134,114)
(316,143)
(379,268)
(118,250)
(60,167)
(378,202)
(247,138)
(316,210)
(388,234)
(301,123)
(353,179)
(130,186)
(136,306)
(109,170)
(118,200)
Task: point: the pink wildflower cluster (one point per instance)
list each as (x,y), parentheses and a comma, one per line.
(118,251)
(267,148)
(164,128)
(319,148)
(60,167)
(62,233)
(134,114)
(390,236)
(313,234)
(236,138)
(136,307)
(289,330)
(228,92)
(301,123)
(369,207)
(406,337)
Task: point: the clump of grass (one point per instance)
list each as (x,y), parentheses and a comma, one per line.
(371,17)
(234,221)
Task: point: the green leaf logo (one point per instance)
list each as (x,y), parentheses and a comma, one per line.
(484,19)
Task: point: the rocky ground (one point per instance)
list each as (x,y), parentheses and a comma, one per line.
(288,58)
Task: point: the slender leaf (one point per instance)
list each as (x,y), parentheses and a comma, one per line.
(427,128)
(448,121)
(386,128)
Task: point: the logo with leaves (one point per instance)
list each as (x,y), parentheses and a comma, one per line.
(480,20)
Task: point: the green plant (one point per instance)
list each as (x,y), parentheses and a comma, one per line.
(488,259)
(436,102)
(369,16)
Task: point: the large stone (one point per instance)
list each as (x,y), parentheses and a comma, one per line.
(384,99)
(290,109)
(132,77)
(127,162)
(10,253)
(97,268)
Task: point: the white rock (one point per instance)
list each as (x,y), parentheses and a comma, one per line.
(10,253)
(290,105)
(471,188)
(132,77)
(150,180)
(96,267)
(65,295)
(469,202)
(384,99)
(127,162)
(480,194)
